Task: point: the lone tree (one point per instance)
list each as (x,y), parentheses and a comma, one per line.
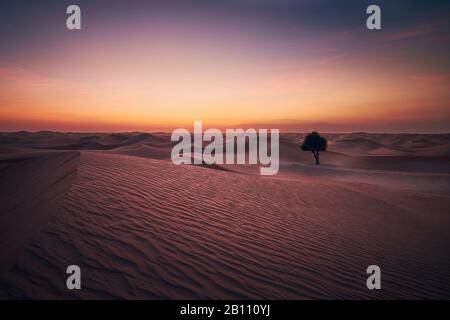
(314,143)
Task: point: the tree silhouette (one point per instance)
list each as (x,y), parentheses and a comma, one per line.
(314,143)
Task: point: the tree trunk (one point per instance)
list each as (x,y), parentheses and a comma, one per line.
(316,156)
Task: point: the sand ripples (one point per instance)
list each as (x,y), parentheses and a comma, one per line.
(144,228)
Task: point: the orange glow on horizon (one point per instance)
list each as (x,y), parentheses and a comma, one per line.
(333,96)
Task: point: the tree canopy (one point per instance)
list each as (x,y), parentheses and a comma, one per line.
(314,142)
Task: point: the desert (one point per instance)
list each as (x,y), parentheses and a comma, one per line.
(141,227)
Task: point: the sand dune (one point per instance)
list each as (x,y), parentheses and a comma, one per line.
(141,227)
(32,186)
(363,146)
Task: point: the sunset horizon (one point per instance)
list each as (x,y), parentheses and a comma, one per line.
(171,64)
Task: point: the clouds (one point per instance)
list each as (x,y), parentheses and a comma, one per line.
(421,30)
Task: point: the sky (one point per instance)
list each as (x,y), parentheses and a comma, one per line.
(296,65)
